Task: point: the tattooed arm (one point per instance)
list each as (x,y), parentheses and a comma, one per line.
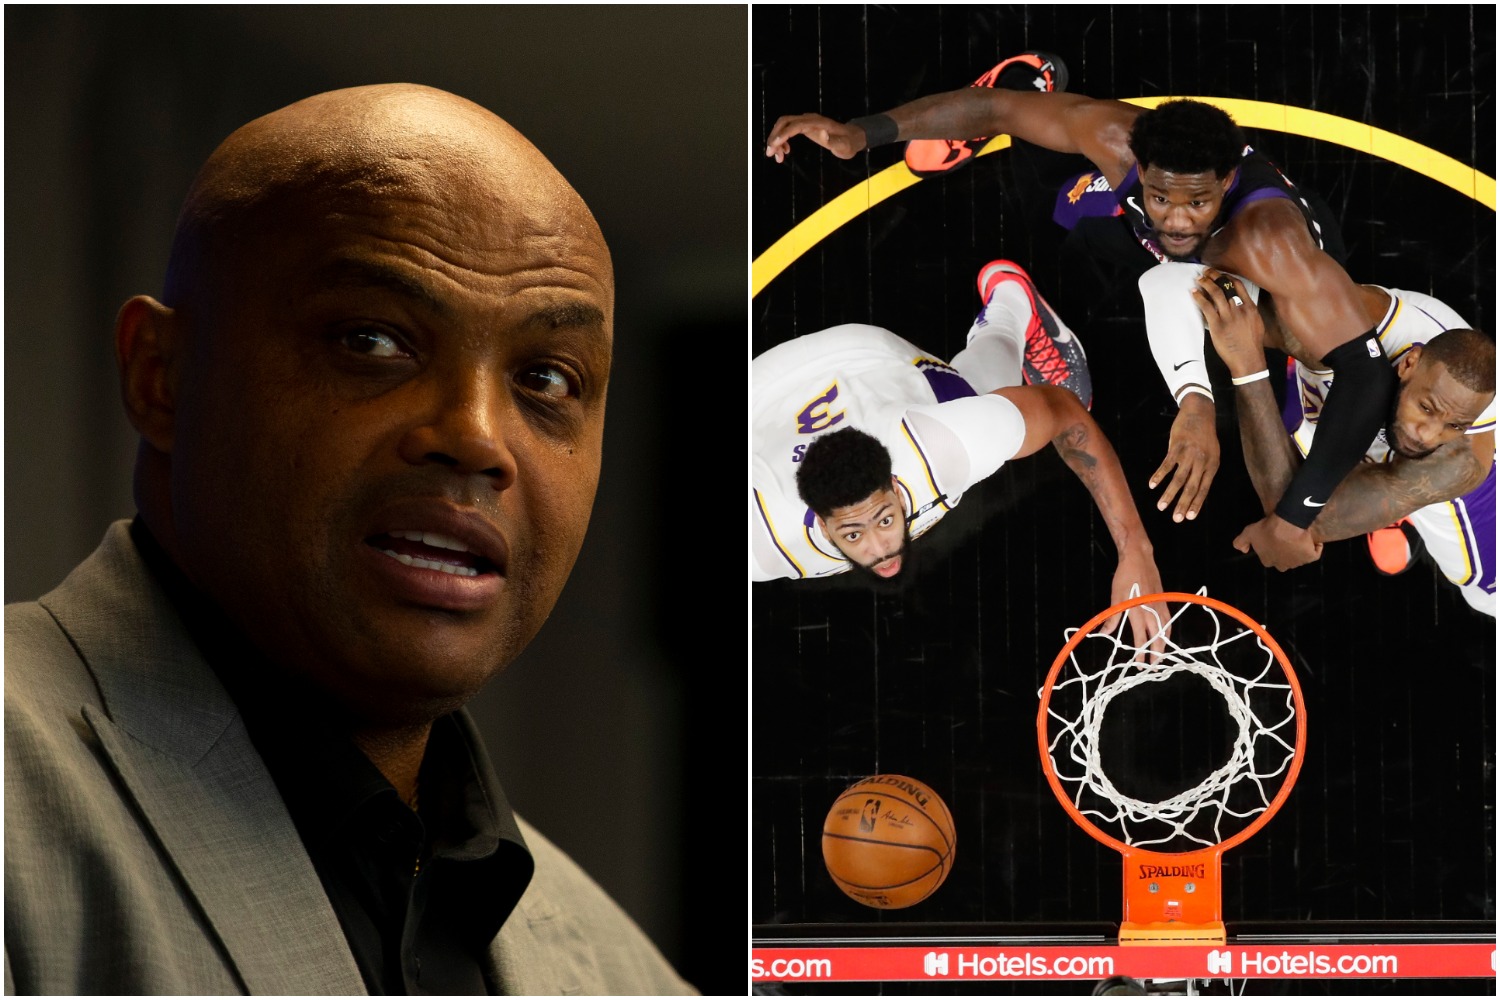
(1370,497)
(1374,496)
(1055,415)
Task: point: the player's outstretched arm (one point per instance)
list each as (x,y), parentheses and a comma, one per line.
(1174,332)
(1067,123)
(1055,415)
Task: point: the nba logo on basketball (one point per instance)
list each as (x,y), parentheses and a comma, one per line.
(1219,963)
(867,818)
(934,964)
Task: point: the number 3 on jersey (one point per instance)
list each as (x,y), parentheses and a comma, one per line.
(818,415)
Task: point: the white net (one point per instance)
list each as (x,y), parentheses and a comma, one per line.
(1194,641)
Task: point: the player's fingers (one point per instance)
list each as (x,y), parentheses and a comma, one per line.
(1210,292)
(1189,493)
(1179,480)
(1229,280)
(1174,457)
(1197,490)
(1109,625)
(1205,303)
(1148,633)
(1143,626)
(1241,543)
(780,139)
(1160,624)
(777,140)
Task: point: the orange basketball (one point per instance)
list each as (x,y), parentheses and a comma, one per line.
(888,841)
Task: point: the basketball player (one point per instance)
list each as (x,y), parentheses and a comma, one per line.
(862,442)
(1192,191)
(1433,462)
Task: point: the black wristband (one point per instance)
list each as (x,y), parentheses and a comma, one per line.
(879,129)
(1356,409)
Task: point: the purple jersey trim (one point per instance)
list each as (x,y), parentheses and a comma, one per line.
(1478,509)
(760,505)
(946,384)
(1291,406)
(1258,195)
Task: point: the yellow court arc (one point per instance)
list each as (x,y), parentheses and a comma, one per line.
(1250,114)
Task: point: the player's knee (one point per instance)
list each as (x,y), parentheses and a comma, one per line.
(1169,280)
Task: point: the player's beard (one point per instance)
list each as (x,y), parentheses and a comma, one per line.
(902,575)
(1191,256)
(1390,429)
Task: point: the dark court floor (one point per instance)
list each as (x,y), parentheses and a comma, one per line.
(1393,817)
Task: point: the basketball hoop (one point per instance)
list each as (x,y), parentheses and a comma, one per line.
(1172,845)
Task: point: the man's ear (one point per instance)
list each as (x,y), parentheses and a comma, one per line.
(147,336)
(1408,362)
(900,495)
(1228,181)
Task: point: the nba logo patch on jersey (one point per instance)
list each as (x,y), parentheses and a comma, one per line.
(1373,346)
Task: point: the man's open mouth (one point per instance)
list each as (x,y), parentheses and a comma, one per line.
(431,550)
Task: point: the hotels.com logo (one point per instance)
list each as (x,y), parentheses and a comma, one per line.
(935,964)
(1219,963)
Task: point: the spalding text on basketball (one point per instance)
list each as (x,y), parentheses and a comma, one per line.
(917,793)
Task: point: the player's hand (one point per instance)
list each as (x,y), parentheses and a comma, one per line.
(1279,545)
(1238,333)
(1137,568)
(1192,458)
(841,140)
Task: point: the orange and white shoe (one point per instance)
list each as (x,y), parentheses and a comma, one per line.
(1036,71)
(1053,355)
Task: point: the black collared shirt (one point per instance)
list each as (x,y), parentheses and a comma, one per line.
(420,894)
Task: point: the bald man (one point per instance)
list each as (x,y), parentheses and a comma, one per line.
(370,404)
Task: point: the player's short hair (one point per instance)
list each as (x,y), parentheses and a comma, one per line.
(1468,355)
(1187,137)
(842,468)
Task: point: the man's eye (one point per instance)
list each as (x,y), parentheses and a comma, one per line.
(887,521)
(852,536)
(373,343)
(549,380)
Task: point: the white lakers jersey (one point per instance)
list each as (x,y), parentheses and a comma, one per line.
(941,436)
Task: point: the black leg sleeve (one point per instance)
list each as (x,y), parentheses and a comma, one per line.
(1364,385)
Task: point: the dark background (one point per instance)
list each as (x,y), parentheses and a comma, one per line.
(605,729)
(1393,817)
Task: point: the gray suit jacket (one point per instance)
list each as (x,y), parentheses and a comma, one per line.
(147,849)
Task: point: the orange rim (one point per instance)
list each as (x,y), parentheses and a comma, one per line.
(1265,637)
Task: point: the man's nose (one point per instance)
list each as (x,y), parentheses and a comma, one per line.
(465,430)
